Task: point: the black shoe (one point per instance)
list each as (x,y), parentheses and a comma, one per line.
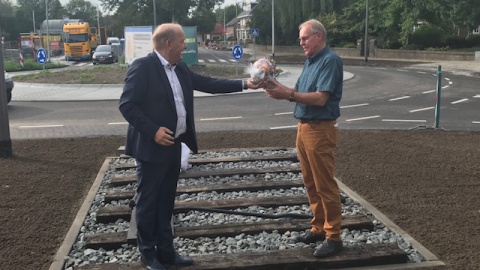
(153,264)
(328,248)
(310,237)
(179,260)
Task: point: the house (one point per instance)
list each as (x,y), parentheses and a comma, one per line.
(238,28)
(217,32)
(476,31)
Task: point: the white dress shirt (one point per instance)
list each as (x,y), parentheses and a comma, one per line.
(177,96)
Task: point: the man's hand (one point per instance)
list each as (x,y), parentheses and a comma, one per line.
(252,85)
(164,136)
(276,90)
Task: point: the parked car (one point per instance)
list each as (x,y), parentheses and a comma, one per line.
(105,54)
(9,86)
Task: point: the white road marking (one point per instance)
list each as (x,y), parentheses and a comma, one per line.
(223,60)
(476,96)
(81,64)
(233,60)
(201,61)
(362,118)
(118,123)
(283,127)
(447,79)
(475,122)
(446,86)
(399,98)
(422,72)
(459,101)
(429,91)
(380,68)
(211,60)
(41,126)
(422,109)
(404,120)
(353,106)
(402,70)
(220,118)
(450,82)
(283,113)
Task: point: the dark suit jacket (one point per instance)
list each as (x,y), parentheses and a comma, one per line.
(147,104)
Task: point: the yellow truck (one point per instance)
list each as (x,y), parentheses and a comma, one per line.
(79,41)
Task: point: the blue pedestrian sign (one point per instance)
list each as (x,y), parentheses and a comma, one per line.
(254,32)
(237,52)
(41,56)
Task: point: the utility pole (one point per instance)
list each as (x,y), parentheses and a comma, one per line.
(5,141)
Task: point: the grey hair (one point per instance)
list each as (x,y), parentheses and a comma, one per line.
(164,32)
(316,26)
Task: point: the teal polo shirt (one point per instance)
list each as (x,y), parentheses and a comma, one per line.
(322,72)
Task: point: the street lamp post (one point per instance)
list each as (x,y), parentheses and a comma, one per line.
(99,33)
(154,14)
(273,31)
(365,51)
(33,15)
(48,37)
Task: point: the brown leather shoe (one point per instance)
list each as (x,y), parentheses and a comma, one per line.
(310,237)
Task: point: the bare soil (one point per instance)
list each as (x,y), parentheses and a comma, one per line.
(427,182)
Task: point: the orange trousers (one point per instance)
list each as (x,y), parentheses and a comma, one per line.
(316,143)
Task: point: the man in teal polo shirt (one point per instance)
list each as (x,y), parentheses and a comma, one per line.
(317,95)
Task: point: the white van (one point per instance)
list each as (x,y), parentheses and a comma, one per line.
(113,41)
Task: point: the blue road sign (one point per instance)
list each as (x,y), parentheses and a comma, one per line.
(254,32)
(237,52)
(41,56)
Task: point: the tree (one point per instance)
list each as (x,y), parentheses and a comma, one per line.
(7,20)
(229,12)
(82,9)
(207,4)
(204,19)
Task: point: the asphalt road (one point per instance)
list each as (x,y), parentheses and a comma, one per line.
(376,98)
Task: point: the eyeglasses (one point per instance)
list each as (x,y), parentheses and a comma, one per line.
(305,38)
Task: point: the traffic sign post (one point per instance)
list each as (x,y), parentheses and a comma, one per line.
(237,53)
(41,56)
(42,59)
(254,32)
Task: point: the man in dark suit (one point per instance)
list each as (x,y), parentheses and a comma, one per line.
(157,102)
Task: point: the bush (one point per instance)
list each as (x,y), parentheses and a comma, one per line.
(428,36)
(28,64)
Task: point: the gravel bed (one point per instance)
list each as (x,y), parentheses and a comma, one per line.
(80,256)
